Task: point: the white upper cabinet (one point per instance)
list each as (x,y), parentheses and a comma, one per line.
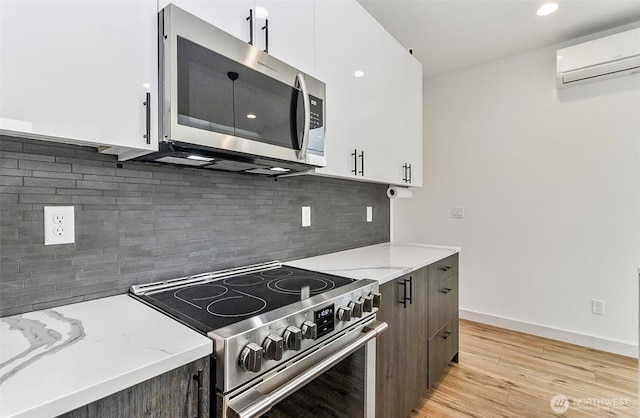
(374,120)
(413,121)
(285,28)
(231,16)
(79,72)
(335,65)
(290,34)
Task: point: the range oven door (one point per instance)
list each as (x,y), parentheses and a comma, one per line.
(222,93)
(336,380)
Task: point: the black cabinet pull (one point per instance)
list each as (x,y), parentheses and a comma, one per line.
(405,178)
(147,105)
(445,268)
(355,162)
(446,335)
(446,290)
(404,293)
(407,283)
(198,378)
(265,28)
(250,19)
(410,173)
(361,172)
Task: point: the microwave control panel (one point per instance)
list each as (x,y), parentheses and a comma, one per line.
(317,114)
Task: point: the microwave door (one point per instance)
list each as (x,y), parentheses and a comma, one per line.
(263,109)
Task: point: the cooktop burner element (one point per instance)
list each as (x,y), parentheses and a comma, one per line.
(221,302)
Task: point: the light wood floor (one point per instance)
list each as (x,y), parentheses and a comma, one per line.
(504,373)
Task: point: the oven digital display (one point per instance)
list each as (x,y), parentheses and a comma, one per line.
(324,319)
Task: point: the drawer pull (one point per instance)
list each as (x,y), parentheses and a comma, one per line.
(445,268)
(446,335)
(446,290)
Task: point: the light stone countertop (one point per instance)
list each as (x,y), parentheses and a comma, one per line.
(381,262)
(56,360)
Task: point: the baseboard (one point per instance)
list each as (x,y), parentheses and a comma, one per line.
(597,343)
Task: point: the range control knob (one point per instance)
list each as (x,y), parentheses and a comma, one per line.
(293,338)
(273,347)
(376,299)
(367,303)
(344,313)
(309,330)
(358,305)
(251,357)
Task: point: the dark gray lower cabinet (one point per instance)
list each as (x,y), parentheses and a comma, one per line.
(401,352)
(421,309)
(172,394)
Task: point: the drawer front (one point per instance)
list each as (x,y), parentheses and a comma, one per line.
(442,269)
(443,303)
(443,347)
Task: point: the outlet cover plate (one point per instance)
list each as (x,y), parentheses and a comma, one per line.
(59,225)
(306,216)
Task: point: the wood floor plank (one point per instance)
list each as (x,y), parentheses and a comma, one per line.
(503,373)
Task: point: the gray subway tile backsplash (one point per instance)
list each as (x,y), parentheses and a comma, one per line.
(142,222)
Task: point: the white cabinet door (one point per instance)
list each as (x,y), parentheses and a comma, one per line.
(228,15)
(335,65)
(291,32)
(413,118)
(372,44)
(79,71)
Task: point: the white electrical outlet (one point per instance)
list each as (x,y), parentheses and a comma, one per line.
(306,216)
(457,212)
(597,307)
(59,225)
(369,214)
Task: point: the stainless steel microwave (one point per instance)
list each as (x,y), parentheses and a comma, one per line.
(227,105)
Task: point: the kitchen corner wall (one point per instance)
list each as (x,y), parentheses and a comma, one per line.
(142,222)
(550,184)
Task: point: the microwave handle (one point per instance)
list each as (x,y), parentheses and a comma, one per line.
(302,154)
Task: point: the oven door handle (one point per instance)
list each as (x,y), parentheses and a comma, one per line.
(264,403)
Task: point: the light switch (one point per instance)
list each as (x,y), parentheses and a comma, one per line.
(306,215)
(457,212)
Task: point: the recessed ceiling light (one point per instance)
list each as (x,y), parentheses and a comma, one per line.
(251,116)
(358,73)
(199,158)
(547,9)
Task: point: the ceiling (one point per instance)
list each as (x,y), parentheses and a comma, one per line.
(448,35)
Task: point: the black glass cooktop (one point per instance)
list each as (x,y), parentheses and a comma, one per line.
(221,302)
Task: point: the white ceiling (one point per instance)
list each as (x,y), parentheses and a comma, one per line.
(448,35)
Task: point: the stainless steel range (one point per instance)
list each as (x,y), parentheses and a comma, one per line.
(276,329)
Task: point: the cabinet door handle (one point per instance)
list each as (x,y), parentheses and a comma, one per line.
(410,173)
(404,171)
(446,335)
(250,19)
(361,172)
(147,105)
(445,268)
(446,290)
(404,293)
(265,28)
(200,390)
(410,290)
(355,162)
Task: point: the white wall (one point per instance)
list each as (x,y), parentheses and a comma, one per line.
(550,184)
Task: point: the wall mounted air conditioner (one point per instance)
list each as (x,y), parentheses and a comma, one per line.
(611,56)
